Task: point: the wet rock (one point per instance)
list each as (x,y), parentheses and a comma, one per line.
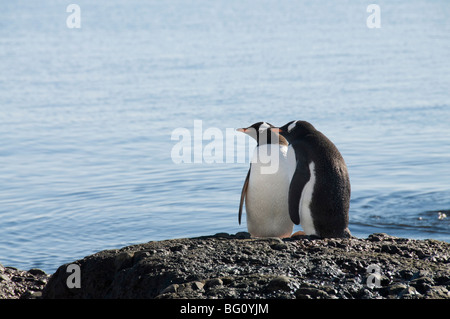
(29,294)
(422,284)
(197,285)
(377,237)
(3,277)
(397,288)
(438,292)
(409,293)
(213,283)
(390,249)
(37,272)
(170,289)
(311,293)
(223,235)
(279,283)
(239,266)
(279,246)
(420,274)
(242,235)
(123,260)
(19,284)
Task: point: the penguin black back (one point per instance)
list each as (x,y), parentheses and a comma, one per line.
(330,197)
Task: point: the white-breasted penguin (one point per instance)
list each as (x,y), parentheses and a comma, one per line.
(266,186)
(319,192)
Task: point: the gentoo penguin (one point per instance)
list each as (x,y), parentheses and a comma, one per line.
(266,186)
(319,192)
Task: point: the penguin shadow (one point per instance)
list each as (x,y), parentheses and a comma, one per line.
(295,237)
(298,236)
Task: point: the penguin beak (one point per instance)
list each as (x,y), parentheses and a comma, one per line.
(250,131)
(279,131)
(276,130)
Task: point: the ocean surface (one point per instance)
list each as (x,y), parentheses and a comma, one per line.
(88,115)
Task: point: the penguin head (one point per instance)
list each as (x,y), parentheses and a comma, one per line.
(263,134)
(295,130)
(258,131)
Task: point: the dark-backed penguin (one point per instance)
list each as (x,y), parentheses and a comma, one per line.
(266,186)
(319,192)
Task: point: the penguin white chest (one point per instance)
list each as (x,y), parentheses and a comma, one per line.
(267,196)
(306,219)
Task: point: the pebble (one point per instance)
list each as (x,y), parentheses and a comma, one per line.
(279,283)
(438,292)
(409,292)
(197,285)
(213,283)
(422,284)
(15,283)
(396,289)
(279,246)
(311,292)
(169,289)
(36,271)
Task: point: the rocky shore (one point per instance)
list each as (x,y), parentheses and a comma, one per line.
(239,267)
(15,283)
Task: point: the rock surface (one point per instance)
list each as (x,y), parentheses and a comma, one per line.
(15,283)
(237,266)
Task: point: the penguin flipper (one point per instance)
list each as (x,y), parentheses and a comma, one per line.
(243,195)
(298,182)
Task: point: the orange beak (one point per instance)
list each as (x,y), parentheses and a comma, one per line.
(276,129)
(243,130)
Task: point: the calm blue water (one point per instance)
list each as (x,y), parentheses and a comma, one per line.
(86,115)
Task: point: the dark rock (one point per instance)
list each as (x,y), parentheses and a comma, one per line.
(409,293)
(19,284)
(4,277)
(406,274)
(177,248)
(397,288)
(311,293)
(123,260)
(222,235)
(438,292)
(376,237)
(170,289)
(238,266)
(197,285)
(29,294)
(442,279)
(391,249)
(422,284)
(37,272)
(420,274)
(279,283)
(279,246)
(213,283)
(243,235)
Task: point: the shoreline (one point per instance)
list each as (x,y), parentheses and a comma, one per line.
(237,266)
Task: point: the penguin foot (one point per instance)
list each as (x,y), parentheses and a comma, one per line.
(298,233)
